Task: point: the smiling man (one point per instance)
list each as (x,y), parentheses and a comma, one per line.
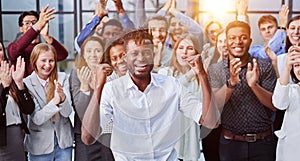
(33,25)
(247,84)
(144,106)
(272,34)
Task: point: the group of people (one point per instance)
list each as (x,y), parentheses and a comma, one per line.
(152,93)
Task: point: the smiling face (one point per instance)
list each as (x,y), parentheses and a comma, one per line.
(212,31)
(139,59)
(176,29)
(158,29)
(45,64)
(238,42)
(117,55)
(184,50)
(93,53)
(293,32)
(221,45)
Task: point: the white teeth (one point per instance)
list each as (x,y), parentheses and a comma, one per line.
(296,38)
(238,49)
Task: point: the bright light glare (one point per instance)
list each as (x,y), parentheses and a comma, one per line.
(219,7)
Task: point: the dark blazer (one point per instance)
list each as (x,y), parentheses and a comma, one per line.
(26,107)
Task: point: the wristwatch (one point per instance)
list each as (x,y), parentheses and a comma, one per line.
(281,27)
(229,85)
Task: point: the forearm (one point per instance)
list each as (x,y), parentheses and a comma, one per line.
(276,44)
(210,112)
(15,49)
(140,14)
(61,51)
(219,95)
(264,96)
(87,29)
(26,102)
(126,22)
(91,129)
(44,114)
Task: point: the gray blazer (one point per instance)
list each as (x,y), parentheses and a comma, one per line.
(41,127)
(80,100)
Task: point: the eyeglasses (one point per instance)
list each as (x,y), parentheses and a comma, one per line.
(29,22)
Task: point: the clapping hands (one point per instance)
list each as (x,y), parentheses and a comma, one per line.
(59,95)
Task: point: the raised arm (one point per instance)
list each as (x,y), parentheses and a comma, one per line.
(90,129)
(25,100)
(281,98)
(100,13)
(263,95)
(126,22)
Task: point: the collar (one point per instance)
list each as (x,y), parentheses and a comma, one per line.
(130,84)
(42,81)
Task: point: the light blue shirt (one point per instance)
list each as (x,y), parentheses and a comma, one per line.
(276,44)
(145,124)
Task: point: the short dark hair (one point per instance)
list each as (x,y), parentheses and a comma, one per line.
(27,13)
(140,36)
(241,24)
(111,43)
(112,22)
(267,19)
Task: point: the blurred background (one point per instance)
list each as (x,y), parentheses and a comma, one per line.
(72,15)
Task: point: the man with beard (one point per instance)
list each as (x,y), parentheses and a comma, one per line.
(247,84)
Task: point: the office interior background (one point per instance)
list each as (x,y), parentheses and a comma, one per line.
(72,15)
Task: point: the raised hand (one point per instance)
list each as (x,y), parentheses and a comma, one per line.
(5,74)
(102,71)
(235,69)
(242,7)
(158,55)
(195,62)
(45,16)
(283,16)
(84,76)
(167,5)
(18,73)
(119,7)
(271,54)
(293,56)
(252,74)
(100,10)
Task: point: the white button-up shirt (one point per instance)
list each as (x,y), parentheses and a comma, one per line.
(287,97)
(145,124)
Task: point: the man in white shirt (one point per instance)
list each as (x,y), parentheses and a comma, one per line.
(144,106)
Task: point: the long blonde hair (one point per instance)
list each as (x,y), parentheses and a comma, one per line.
(37,50)
(174,62)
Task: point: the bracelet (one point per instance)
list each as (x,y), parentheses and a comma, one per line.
(281,27)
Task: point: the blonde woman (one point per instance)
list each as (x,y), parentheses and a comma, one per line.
(82,81)
(51,133)
(185,49)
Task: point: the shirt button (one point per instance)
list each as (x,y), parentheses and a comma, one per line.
(3,114)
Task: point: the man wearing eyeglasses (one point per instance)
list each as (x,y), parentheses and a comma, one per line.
(32,25)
